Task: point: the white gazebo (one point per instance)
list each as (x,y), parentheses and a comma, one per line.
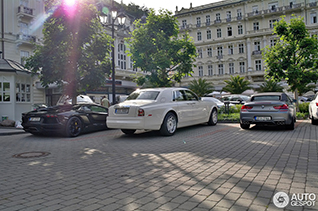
(16,90)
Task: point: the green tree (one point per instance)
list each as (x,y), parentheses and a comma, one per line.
(306,88)
(236,85)
(270,86)
(75,51)
(294,58)
(201,87)
(156,48)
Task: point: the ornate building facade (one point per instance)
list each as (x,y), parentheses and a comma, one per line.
(230,35)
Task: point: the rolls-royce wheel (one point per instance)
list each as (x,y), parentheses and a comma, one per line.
(213,120)
(73,127)
(169,125)
(128,131)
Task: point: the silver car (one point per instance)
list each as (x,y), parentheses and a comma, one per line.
(313,110)
(271,108)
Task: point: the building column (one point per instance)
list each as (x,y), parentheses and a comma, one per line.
(249,55)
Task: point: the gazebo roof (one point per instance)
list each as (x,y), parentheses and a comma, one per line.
(7,65)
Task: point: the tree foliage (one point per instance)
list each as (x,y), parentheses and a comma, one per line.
(270,86)
(201,87)
(156,48)
(75,50)
(236,85)
(294,58)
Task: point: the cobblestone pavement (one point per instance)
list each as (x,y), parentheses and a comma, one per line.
(199,168)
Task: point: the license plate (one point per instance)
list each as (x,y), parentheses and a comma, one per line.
(35,119)
(122,110)
(263,118)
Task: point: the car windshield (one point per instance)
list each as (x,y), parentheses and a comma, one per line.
(266,98)
(143,95)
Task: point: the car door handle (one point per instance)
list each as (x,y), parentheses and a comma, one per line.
(190,103)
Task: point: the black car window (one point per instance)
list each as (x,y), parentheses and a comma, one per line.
(266,98)
(98,109)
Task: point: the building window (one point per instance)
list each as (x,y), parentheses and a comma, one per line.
(210,70)
(218,16)
(121,56)
(200,53)
(209,52)
(257,46)
(242,67)
(200,70)
(256,26)
(208,34)
(220,68)
(271,23)
(228,16)
(24,55)
(208,20)
(240,29)
(229,31)
(23,92)
(230,48)
(241,48)
(199,36)
(198,22)
(313,18)
(184,23)
(131,64)
(218,33)
(255,9)
(4,91)
(273,6)
(220,51)
(239,13)
(231,68)
(258,65)
(273,42)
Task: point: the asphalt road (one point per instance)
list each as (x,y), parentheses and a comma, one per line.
(202,167)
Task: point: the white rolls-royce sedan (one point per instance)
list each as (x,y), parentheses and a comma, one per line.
(163,109)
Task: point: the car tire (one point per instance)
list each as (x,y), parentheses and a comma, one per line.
(169,125)
(213,120)
(291,126)
(128,131)
(245,126)
(73,127)
(314,121)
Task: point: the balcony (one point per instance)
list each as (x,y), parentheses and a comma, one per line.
(25,13)
(256,52)
(312,4)
(219,57)
(25,40)
(229,19)
(218,21)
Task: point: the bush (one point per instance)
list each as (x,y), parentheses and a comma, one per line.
(233,109)
(304,107)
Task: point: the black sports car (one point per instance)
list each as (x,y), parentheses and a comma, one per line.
(70,120)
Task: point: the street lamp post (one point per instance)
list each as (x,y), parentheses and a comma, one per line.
(121,21)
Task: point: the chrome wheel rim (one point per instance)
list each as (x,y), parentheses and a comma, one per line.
(171,124)
(214,117)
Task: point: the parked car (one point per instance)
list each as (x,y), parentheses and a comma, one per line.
(313,110)
(272,108)
(218,102)
(235,99)
(163,109)
(70,120)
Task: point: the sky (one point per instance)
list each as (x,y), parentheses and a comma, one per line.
(169,4)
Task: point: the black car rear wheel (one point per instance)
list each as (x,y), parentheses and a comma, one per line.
(245,126)
(128,131)
(291,126)
(73,127)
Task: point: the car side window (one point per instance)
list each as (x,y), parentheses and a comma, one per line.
(98,109)
(178,96)
(190,96)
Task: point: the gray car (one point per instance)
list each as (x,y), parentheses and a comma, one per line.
(271,108)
